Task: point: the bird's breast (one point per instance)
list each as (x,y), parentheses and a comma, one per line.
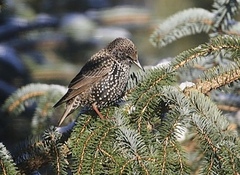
(111,88)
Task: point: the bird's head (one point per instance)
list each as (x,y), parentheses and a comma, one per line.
(124,48)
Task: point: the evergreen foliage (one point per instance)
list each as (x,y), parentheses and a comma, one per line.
(184,23)
(8,166)
(159,128)
(197,20)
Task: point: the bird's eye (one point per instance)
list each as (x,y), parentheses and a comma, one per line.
(129,57)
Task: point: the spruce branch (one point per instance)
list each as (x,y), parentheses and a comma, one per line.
(216,80)
(163,132)
(87,143)
(184,23)
(131,145)
(58,150)
(224,10)
(154,78)
(227,43)
(7,164)
(217,76)
(26,95)
(196,20)
(145,96)
(214,135)
(48,149)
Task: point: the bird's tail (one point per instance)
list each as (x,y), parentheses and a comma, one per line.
(67,111)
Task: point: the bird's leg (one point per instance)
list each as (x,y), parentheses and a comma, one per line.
(94,106)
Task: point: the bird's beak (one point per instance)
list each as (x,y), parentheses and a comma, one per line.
(138,65)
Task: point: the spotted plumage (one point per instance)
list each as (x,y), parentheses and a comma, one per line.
(103,79)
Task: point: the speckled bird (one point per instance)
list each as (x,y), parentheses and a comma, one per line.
(103,79)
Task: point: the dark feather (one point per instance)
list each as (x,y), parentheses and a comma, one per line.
(90,73)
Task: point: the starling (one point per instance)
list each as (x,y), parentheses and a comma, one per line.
(103,79)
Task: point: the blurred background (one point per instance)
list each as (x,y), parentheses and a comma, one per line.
(44,41)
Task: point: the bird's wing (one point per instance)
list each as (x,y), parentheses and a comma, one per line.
(95,69)
(92,72)
(85,82)
(89,74)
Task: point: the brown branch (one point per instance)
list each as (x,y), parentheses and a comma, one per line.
(216,82)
